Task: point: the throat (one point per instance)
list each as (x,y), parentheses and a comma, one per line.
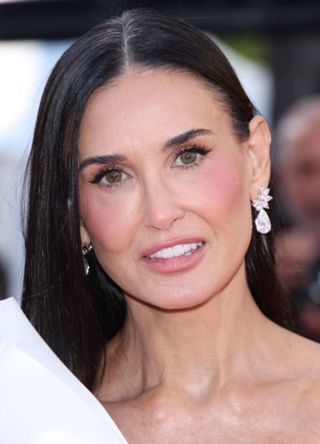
(194,351)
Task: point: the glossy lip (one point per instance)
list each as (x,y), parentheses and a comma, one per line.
(171,243)
(175,264)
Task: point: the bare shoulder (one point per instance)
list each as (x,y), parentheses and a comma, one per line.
(305,354)
(303,363)
(295,368)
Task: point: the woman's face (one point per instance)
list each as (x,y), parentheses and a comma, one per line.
(165,188)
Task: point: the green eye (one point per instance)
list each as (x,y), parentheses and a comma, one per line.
(188,157)
(110,177)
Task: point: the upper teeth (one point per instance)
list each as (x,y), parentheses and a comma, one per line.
(177,250)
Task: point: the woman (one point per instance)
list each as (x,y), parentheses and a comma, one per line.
(148,157)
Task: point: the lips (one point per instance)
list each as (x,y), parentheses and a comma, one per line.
(175,247)
(167,258)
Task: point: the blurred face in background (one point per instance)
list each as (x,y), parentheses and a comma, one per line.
(300,175)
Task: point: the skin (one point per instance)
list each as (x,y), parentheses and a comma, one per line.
(196,361)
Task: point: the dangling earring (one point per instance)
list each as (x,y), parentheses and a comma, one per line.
(262,222)
(86,248)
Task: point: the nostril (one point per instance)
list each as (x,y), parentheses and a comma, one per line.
(163,216)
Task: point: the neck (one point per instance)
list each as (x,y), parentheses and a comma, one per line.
(192,350)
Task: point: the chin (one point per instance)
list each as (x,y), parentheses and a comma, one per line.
(176,300)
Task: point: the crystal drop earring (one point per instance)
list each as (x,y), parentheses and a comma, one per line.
(262,221)
(86,248)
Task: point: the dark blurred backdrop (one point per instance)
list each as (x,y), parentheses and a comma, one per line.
(290,30)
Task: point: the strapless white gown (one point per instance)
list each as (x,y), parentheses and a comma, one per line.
(41,401)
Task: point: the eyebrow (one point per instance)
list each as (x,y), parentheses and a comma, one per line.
(186,136)
(102,160)
(174,141)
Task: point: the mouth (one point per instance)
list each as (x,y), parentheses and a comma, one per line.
(183,249)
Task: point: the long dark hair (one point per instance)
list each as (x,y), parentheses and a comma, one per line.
(75,314)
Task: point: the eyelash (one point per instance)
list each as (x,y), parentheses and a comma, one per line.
(100,175)
(198,149)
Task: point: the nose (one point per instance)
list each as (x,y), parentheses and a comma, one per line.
(162,205)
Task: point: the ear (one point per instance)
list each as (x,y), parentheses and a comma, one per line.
(258,146)
(84,235)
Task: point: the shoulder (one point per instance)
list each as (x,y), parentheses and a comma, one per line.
(287,402)
(303,364)
(294,365)
(305,354)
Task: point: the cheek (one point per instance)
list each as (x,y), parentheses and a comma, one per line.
(228,212)
(109,221)
(222,191)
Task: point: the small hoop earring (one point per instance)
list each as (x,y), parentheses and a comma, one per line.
(85,249)
(262,221)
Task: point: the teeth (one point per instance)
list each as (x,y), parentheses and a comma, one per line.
(177,250)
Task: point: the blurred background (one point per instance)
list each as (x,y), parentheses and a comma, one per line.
(274,47)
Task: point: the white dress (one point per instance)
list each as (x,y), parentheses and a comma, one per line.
(41,401)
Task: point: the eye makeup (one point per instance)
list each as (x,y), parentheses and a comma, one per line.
(198,150)
(114,175)
(112,171)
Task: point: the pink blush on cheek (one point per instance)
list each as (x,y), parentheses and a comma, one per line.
(108,221)
(221,187)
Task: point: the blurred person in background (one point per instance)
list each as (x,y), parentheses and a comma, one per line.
(298,246)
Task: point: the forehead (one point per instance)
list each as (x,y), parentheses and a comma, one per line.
(148,107)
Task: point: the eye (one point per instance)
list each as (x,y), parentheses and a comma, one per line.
(113,176)
(189,157)
(110,177)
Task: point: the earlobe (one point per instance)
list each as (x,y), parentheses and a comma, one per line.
(84,235)
(258,144)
